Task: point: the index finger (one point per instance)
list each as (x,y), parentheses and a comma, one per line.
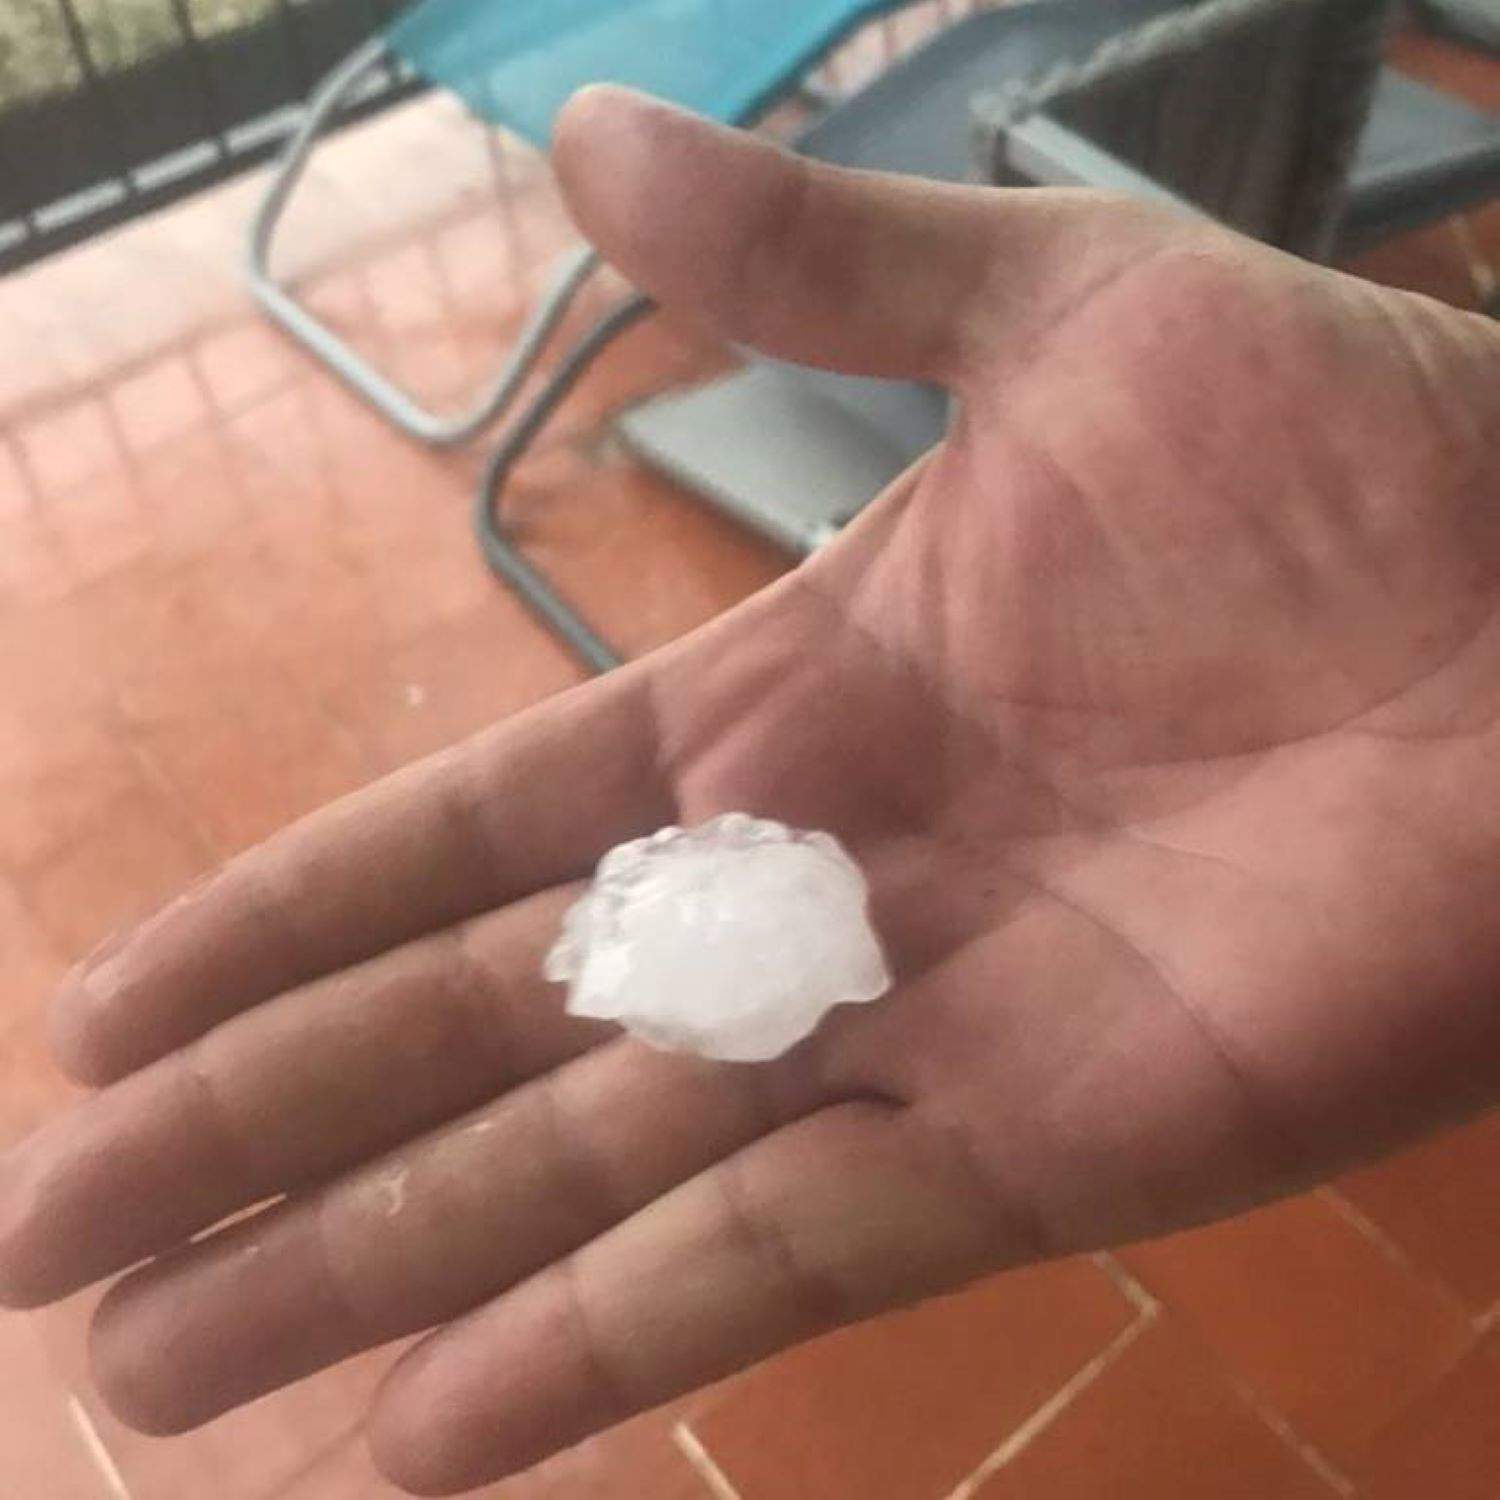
(529,804)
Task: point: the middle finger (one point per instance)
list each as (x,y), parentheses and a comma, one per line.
(285,1095)
(429,1231)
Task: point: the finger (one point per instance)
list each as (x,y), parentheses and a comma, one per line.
(425,1233)
(529,805)
(287,1094)
(872,273)
(828,1221)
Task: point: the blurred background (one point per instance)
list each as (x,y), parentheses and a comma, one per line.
(231,589)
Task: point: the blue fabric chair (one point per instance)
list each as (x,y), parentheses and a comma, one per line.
(515,63)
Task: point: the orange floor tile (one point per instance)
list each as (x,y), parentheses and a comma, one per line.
(1447,1443)
(1354,1336)
(912,1404)
(1159,1419)
(220,574)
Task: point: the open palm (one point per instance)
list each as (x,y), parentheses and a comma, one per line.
(1161,704)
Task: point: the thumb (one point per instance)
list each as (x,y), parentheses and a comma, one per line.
(865,272)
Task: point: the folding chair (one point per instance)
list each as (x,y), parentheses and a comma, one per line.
(515,63)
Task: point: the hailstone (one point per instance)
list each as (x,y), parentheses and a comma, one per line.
(731,940)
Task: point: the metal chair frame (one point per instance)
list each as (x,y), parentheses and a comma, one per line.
(279,302)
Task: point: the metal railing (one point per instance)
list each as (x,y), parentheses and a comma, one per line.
(100,122)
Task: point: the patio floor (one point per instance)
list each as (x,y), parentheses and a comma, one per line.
(228,593)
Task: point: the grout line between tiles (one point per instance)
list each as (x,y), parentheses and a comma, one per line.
(103,396)
(1055,1405)
(186,349)
(1358,1220)
(103,1460)
(21,462)
(1310,1454)
(156,777)
(1129,1288)
(692,1449)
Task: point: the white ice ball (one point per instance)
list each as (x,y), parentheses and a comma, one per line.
(732,939)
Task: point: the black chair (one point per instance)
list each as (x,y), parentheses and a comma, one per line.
(1473,21)
(1289,77)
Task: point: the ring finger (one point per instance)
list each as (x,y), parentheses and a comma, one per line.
(428,1231)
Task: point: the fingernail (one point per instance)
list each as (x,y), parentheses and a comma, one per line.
(96,964)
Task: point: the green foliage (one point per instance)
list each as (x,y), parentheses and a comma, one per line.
(36,53)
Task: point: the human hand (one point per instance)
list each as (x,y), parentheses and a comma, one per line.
(1161,704)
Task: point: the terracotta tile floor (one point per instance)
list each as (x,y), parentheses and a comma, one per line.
(228,593)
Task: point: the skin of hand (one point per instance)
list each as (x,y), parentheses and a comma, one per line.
(1161,704)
